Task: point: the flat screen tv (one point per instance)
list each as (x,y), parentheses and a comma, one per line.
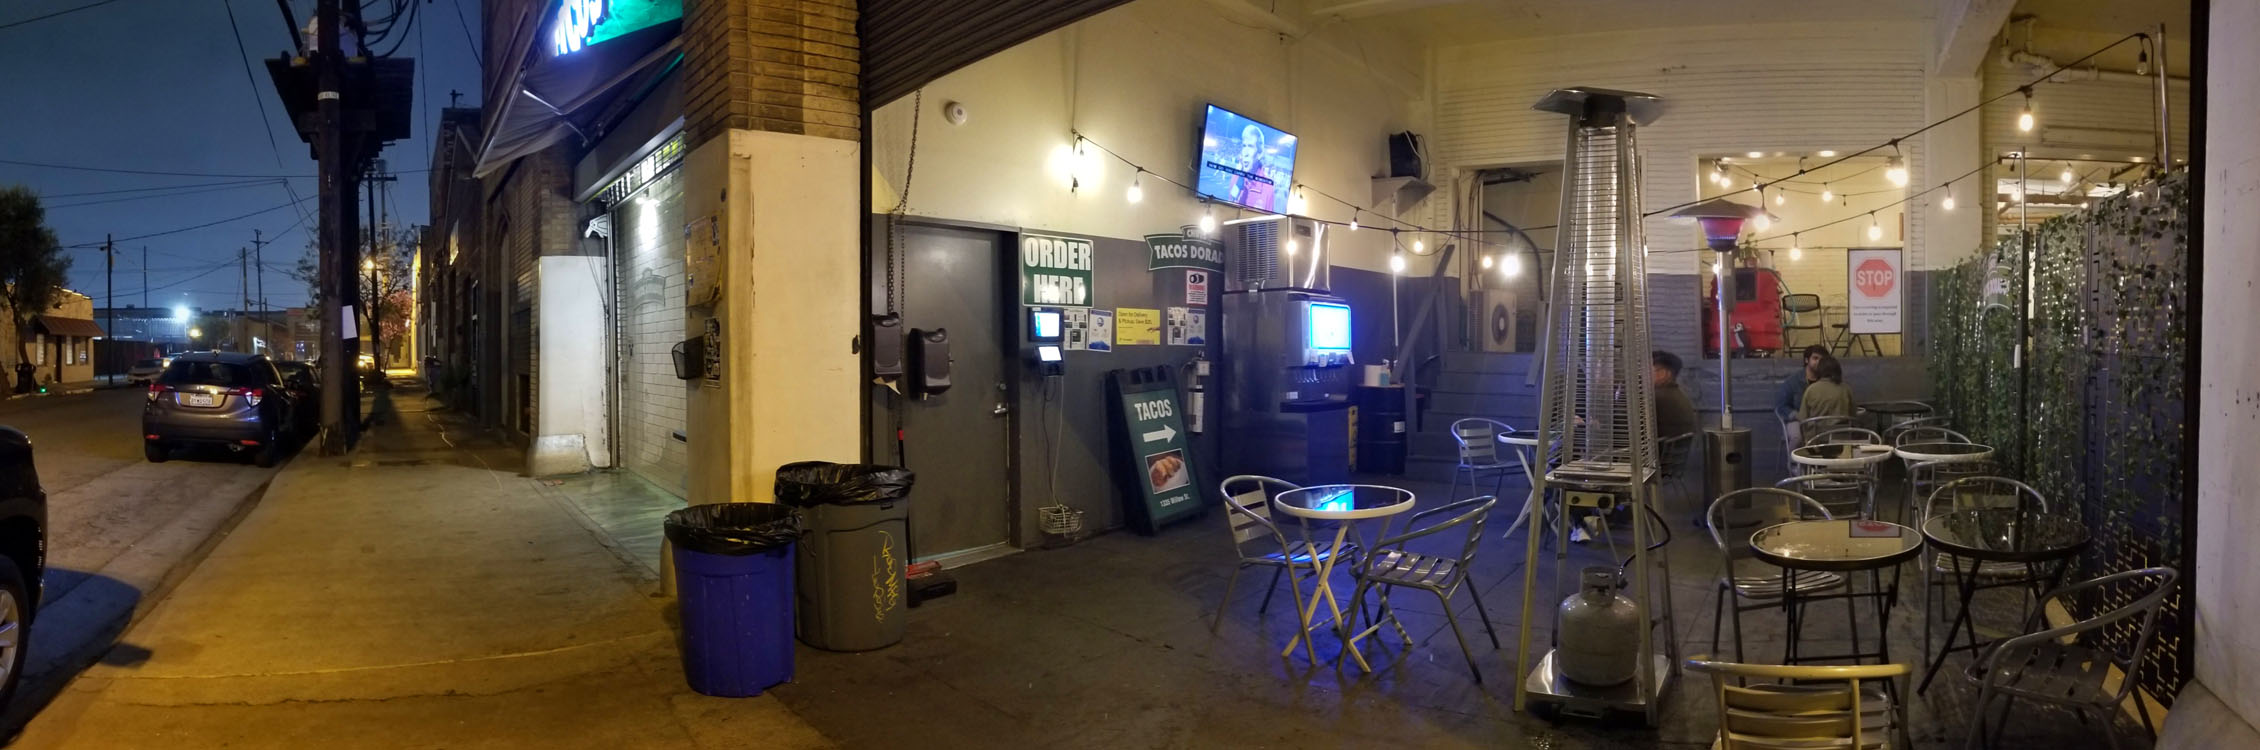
(1329,326)
(1244,162)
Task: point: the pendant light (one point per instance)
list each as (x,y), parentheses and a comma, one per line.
(1137,190)
(1875,230)
(1827,194)
(2024,119)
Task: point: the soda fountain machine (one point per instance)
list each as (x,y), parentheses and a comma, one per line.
(1286,368)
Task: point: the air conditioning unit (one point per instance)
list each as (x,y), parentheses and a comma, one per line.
(1276,252)
(1500,324)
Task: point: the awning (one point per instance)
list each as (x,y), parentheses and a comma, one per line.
(56,325)
(550,95)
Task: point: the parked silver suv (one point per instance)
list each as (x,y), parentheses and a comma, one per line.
(219,399)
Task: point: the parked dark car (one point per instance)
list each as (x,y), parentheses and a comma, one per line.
(227,399)
(23,554)
(305,386)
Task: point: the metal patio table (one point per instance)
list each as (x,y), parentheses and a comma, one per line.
(1939,452)
(1857,458)
(1345,505)
(1840,546)
(2022,536)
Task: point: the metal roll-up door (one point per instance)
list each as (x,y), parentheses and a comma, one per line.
(649,287)
(908,43)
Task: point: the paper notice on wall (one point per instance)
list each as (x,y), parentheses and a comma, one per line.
(1876,294)
(1196,327)
(1196,287)
(1174,329)
(1102,331)
(1075,327)
(1137,326)
(348,326)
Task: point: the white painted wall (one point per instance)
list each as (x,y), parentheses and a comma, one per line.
(2227,594)
(1794,87)
(572,398)
(1135,79)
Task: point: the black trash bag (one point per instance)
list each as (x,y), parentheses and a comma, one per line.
(807,483)
(732,528)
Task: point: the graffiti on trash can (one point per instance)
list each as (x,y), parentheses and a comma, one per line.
(886,579)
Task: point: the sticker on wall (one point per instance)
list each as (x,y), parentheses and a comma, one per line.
(702,261)
(1180,251)
(1056,270)
(1075,328)
(1137,325)
(1174,332)
(1102,331)
(1196,327)
(1196,287)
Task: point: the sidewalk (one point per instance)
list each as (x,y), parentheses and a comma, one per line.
(419,593)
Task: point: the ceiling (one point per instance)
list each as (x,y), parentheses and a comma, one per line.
(1452,22)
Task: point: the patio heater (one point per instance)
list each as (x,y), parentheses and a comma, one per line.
(1726,452)
(1596,432)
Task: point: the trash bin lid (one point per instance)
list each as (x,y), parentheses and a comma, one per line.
(807,483)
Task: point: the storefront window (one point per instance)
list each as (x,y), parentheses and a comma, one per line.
(1795,280)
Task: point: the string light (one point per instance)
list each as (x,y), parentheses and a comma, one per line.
(2024,119)
(1396,262)
(1897,172)
(2016,194)
(1875,230)
(1353,219)
(1208,219)
(1137,187)
(1296,204)
(1827,153)
(1780,197)
(1487,263)
(1948,203)
(2067,176)
(1826,194)
(1796,250)
(1511,266)
(1418,246)
(1764,221)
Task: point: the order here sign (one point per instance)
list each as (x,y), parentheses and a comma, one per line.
(1876,294)
(1056,270)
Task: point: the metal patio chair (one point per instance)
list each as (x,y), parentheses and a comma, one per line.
(1753,584)
(1812,707)
(1965,493)
(1801,312)
(1807,428)
(2070,666)
(1927,434)
(1861,435)
(1845,494)
(1247,502)
(1392,566)
(1480,452)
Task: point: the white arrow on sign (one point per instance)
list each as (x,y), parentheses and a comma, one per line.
(1165,433)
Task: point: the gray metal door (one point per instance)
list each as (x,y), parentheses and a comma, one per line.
(957,441)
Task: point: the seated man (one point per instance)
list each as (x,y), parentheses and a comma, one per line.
(1792,390)
(1827,396)
(1675,412)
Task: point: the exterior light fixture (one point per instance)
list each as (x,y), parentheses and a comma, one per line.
(1511,266)
(1721,220)
(1137,187)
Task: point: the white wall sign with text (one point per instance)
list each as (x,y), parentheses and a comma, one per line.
(1876,290)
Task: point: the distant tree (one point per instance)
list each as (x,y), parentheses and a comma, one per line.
(33,267)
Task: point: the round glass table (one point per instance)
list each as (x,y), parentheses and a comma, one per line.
(1840,546)
(1841,456)
(1918,452)
(2043,544)
(1346,504)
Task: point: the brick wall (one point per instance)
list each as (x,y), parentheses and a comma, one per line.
(785,66)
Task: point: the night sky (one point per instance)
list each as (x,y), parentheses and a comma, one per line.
(158,85)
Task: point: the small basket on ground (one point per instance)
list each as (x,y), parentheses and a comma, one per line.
(1061,521)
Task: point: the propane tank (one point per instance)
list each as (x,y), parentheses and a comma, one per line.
(1599,632)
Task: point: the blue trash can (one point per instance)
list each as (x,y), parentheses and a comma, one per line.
(734,581)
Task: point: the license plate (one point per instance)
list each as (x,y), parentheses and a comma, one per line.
(197,399)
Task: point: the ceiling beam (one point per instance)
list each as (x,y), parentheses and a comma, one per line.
(1370,8)
(1964,32)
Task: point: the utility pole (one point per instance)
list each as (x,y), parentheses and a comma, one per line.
(378,242)
(259,261)
(338,431)
(243,321)
(110,291)
(144,275)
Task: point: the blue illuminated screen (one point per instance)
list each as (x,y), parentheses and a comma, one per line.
(1043,325)
(1329,326)
(1244,162)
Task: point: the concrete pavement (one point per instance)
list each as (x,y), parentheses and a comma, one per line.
(418,593)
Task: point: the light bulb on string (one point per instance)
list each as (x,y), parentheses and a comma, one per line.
(1897,172)
(1353,220)
(1487,263)
(1137,190)
(2024,119)
(1418,246)
(2067,177)
(1780,197)
(1764,222)
(1296,202)
(1875,230)
(1208,219)
(2016,194)
(1396,262)
(1827,194)
(1511,266)
(1948,203)
(1796,249)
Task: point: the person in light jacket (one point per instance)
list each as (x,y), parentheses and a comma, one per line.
(1827,396)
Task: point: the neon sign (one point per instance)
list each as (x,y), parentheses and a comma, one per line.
(576,24)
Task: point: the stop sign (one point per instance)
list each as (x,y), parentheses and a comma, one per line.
(1874,277)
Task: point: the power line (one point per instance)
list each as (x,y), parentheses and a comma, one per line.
(215,189)
(161,188)
(468,38)
(158,173)
(196,227)
(63,12)
(244,54)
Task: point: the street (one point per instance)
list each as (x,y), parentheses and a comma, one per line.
(118,527)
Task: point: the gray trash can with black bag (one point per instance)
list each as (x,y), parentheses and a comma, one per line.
(854,548)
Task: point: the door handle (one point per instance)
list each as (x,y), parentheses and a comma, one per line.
(1001,410)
